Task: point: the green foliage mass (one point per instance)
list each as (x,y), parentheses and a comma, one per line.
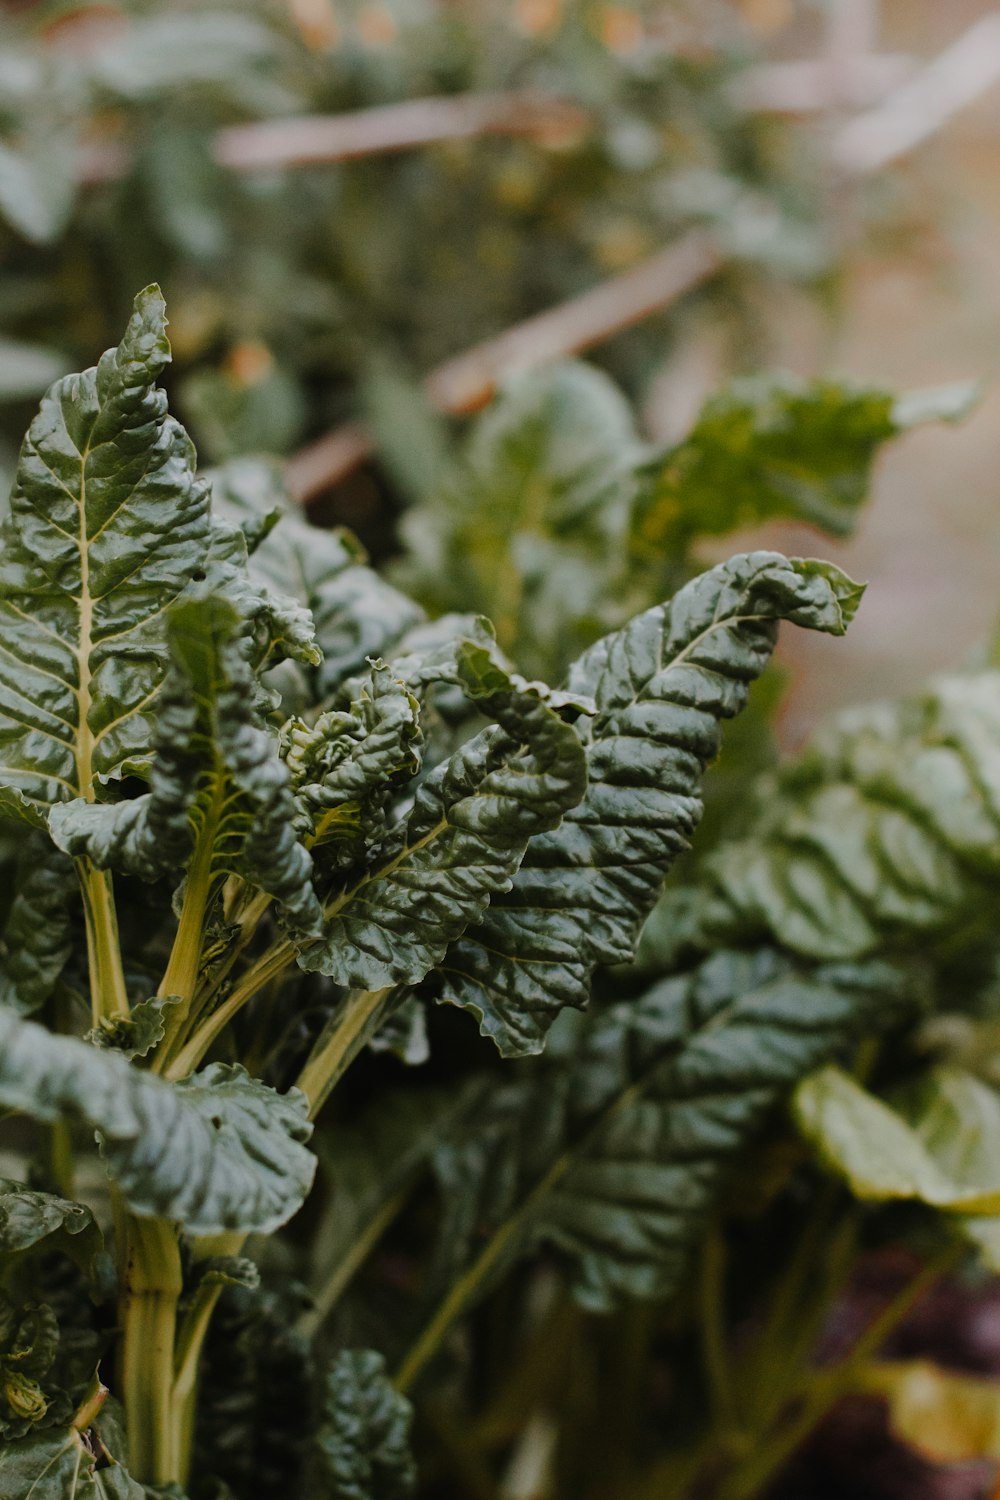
(271,823)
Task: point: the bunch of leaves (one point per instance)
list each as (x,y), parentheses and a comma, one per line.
(175,740)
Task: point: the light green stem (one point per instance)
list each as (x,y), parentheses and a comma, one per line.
(350,1029)
(150,1288)
(108,996)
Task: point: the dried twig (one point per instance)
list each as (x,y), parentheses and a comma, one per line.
(468,381)
(395,127)
(306,140)
(919,108)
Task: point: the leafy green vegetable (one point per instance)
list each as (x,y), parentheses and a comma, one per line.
(219,798)
(471,822)
(770,446)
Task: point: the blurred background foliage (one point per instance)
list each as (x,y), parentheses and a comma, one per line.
(373,219)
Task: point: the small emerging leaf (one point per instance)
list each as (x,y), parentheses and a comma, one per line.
(363,1444)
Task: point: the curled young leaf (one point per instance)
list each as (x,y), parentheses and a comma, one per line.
(471,821)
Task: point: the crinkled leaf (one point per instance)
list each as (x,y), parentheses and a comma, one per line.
(107,526)
(885,831)
(364,1442)
(939,1159)
(348,763)
(662,686)
(218,788)
(37,936)
(471,821)
(617,1150)
(42,1222)
(220,1151)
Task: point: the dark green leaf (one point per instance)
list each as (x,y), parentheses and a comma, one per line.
(617,1149)
(107,526)
(662,686)
(465,837)
(50,1466)
(42,1222)
(37,936)
(218,1152)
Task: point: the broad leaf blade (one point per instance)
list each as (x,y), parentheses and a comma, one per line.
(662,685)
(618,1151)
(37,937)
(41,1222)
(218,1152)
(107,526)
(883,1156)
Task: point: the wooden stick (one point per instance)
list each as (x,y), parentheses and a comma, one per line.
(306,140)
(309,139)
(467,382)
(924,103)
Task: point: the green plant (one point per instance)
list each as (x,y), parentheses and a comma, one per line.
(376,837)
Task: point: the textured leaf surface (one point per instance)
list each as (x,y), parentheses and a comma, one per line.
(348,763)
(662,686)
(355,613)
(885,831)
(363,1444)
(107,526)
(220,1151)
(617,1150)
(471,821)
(217,784)
(136,1034)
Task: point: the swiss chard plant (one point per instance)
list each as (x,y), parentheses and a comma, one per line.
(255,832)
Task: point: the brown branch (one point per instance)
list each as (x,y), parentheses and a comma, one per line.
(467,382)
(307,140)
